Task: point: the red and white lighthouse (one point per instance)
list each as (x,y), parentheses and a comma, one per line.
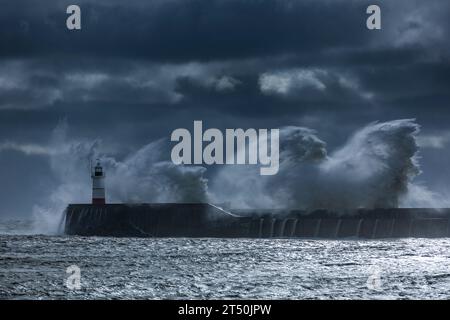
(98,184)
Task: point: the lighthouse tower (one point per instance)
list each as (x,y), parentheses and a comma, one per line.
(98,184)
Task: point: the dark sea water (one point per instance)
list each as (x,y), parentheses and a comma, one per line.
(34,267)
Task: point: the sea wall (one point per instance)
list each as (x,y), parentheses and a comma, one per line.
(206,220)
(363,223)
(153,220)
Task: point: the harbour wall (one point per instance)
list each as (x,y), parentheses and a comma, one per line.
(207,220)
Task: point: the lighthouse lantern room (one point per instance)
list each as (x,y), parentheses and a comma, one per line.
(98,184)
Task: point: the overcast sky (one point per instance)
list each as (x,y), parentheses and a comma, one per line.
(140,69)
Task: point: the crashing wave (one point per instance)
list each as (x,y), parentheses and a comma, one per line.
(373,169)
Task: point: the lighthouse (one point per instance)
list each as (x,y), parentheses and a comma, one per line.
(98,184)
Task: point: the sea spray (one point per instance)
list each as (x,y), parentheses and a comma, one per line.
(373,169)
(68,161)
(143,176)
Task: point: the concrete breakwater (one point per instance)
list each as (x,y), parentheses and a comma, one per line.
(207,220)
(154,220)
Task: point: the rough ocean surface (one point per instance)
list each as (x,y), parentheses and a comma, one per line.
(34,267)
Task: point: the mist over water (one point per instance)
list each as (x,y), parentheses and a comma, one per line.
(375,168)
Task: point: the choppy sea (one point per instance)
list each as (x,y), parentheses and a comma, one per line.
(35,267)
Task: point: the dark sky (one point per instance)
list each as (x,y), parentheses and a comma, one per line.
(140,69)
